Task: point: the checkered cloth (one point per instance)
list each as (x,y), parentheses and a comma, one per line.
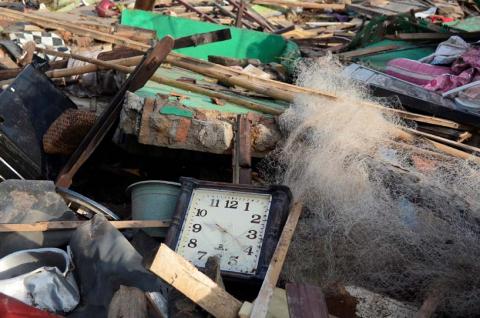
(46,40)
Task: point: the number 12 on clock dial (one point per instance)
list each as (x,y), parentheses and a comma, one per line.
(228,224)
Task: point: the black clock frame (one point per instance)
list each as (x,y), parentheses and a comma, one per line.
(277,216)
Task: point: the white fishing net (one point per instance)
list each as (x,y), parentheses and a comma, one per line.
(396,218)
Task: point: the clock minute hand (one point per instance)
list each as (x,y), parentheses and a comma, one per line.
(225,231)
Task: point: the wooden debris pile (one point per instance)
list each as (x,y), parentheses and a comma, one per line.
(134,96)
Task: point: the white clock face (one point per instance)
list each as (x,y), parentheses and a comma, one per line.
(228,224)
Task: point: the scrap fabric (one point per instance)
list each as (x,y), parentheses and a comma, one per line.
(43,40)
(464,70)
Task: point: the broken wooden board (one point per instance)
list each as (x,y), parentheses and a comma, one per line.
(186,278)
(367,51)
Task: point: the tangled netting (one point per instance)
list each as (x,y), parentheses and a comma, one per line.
(397,218)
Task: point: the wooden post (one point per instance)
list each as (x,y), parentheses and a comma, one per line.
(242,157)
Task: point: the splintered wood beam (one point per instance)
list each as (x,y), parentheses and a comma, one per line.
(260,306)
(367,51)
(186,278)
(70,225)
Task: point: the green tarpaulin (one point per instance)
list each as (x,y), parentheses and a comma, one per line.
(244,43)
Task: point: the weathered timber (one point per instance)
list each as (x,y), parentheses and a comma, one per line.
(186,278)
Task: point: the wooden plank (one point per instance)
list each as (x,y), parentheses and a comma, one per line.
(367,51)
(261,304)
(306,301)
(300,4)
(468,148)
(410,136)
(69,225)
(187,279)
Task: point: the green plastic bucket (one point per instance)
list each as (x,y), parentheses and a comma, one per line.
(154,200)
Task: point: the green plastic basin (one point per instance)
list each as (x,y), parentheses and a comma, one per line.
(154,200)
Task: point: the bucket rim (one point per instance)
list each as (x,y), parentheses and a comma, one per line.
(130,187)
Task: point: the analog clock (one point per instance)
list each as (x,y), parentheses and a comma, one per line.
(240,224)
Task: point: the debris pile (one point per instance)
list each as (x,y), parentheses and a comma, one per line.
(156,158)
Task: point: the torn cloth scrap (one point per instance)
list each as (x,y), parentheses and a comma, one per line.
(464,70)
